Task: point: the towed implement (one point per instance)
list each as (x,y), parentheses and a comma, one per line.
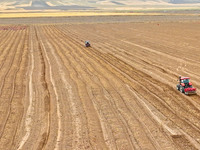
(185,86)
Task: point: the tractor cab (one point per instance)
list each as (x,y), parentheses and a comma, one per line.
(185,86)
(185,81)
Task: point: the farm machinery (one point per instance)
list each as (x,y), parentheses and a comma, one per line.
(185,86)
(87,44)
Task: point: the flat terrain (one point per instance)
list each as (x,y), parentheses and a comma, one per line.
(55,94)
(132,17)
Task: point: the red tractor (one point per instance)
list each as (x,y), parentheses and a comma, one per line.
(185,86)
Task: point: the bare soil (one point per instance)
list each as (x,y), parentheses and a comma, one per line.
(120,93)
(162,17)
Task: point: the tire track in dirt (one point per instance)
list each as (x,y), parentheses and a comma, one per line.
(38,108)
(84,92)
(174,132)
(10,80)
(124,54)
(114,102)
(47,98)
(164,36)
(175,57)
(105,38)
(57,99)
(104,34)
(102,77)
(76,56)
(133,60)
(94,91)
(165,46)
(4,95)
(165,106)
(159,45)
(77,140)
(6,53)
(144,65)
(168,72)
(4,41)
(107,48)
(16,107)
(171,74)
(62,53)
(29,113)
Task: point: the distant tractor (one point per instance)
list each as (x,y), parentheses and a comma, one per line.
(185,86)
(87,44)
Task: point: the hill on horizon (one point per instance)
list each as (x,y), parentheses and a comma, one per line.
(92,4)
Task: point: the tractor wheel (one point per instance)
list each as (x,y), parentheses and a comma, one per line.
(178,87)
(182,89)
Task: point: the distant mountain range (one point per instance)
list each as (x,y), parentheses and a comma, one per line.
(184,1)
(88,4)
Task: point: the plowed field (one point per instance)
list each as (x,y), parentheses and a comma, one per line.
(120,93)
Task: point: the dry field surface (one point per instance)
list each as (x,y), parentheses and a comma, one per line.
(55,94)
(100,19)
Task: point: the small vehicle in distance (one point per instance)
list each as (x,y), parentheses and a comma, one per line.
(87,44)
(185,86)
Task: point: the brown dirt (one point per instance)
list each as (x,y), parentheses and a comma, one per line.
(193,17)
(118,94)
